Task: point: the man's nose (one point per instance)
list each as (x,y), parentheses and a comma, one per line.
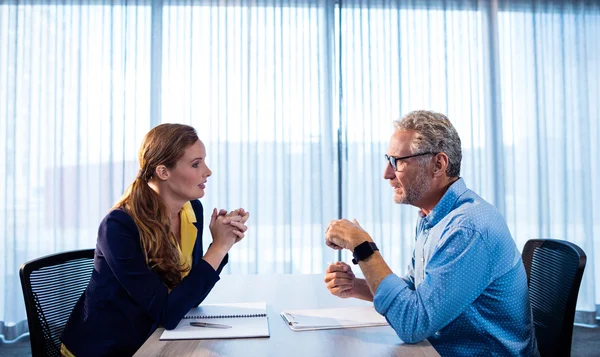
(389,172)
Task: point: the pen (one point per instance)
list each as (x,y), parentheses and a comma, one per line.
(208,324)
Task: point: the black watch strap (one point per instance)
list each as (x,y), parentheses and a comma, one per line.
(363,251)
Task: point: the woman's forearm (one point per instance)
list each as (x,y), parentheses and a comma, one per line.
(214,256)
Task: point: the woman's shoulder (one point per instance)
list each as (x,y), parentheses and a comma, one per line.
(118,232)
(118,218)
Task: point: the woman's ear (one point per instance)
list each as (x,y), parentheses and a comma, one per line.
(161,172)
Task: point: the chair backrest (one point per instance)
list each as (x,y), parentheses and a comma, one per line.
(51,287)
(554,270)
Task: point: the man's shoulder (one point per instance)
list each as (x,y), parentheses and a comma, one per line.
(473,212)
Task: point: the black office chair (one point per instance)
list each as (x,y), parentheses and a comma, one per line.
(554,269)
(51,287)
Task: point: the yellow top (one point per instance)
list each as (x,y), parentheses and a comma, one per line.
(188,234)
(65,352)
(188,240)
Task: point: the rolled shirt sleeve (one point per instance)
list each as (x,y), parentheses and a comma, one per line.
(456,275)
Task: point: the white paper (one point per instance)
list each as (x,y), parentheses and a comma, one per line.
(343,317)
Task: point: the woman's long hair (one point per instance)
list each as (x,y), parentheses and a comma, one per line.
(163,145)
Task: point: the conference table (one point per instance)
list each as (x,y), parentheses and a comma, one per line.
(286,292)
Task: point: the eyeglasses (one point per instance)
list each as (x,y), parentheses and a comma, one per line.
(394,160)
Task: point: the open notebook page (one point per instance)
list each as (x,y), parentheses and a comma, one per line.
(246,320)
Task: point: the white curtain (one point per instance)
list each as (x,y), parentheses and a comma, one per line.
(82,82)
(519,80)
(255,80)
(399,57)
(294,101)
(550,81)
(74,105)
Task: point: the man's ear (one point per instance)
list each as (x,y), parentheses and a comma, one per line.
(161,172)
(440,164)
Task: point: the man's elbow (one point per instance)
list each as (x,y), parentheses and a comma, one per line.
(408,336)
(411,339)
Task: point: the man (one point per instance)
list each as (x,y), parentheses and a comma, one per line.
(466,289)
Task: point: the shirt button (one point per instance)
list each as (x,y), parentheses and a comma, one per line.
(426,231)
(437,333)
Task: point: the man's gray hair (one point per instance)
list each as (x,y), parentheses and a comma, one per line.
(433,133)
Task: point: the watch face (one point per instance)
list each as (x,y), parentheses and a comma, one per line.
(363,251)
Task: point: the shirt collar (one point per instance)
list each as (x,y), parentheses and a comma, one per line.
(445,205)
(187,213)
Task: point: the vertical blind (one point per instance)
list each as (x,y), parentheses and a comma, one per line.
(295,101)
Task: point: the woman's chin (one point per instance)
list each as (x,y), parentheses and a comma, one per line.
(198,194)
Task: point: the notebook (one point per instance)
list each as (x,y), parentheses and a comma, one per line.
(324,319)
(246,320)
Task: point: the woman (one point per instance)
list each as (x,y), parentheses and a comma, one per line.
(149,265)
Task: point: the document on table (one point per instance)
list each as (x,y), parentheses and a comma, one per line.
(333,318)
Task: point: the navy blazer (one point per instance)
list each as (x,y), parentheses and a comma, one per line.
(125,301)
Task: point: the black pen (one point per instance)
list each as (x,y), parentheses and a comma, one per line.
(208,324)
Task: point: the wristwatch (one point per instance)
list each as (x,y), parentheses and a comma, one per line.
(363,251)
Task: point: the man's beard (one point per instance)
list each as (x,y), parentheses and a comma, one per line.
(415,192)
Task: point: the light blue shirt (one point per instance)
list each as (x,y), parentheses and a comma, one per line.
(466,290)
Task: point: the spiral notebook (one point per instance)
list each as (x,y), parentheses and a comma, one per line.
(243,320)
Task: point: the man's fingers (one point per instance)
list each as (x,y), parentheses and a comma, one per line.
(331,224)
(333,246)
(344,266)
(343,286)
(333,268)
(337,275)
(339,282)
(339,289)
(332,242)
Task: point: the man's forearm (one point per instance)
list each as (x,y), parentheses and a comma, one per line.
(375,270)
(362,290)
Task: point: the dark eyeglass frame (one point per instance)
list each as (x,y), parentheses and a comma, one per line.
(393,160)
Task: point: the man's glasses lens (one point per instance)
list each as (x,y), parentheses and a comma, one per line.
(392,161)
